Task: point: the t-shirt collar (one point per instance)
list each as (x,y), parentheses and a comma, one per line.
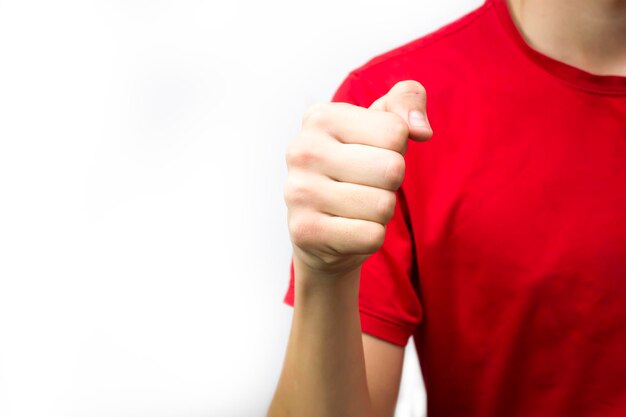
(604,84)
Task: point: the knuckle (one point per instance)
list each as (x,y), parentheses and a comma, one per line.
(298,155)
(397,127)
(303,231)
(291,153)
(397,133)
(296,192)
(375,237)
(410,86)
(394,172)
(386,206)
(316,115)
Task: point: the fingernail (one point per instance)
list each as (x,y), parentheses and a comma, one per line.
(417,119)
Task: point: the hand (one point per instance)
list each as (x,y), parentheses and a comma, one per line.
(343,170)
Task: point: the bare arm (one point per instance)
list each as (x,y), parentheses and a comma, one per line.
(331,368)
(324,369)
(343,171)
(383,366)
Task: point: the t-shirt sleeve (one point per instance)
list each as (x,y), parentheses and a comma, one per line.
(388,303)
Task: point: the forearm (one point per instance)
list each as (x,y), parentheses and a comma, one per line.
(324,370)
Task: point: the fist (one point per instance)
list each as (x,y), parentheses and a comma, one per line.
(344,168)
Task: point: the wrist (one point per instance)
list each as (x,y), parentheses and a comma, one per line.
(314,286)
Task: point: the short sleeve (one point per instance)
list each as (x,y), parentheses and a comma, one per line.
(388,303)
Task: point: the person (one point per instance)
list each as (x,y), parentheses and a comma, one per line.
(490,228)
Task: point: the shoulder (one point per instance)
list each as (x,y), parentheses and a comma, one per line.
(430,59)
(452,34)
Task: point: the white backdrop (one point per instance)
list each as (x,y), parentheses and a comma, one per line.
(143,242)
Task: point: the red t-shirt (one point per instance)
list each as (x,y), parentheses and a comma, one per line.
(506,255)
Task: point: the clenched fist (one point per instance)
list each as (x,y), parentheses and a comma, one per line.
(344,168)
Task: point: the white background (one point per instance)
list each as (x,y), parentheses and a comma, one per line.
(144,250)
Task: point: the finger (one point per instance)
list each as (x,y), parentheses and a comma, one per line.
(407,99)
(351,162)
(365,165)
(353,124)
(322,195)
(355,201)
(340,235)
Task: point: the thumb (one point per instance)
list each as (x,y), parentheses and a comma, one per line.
(407,99)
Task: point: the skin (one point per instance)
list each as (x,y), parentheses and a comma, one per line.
(588,34)
(344,167)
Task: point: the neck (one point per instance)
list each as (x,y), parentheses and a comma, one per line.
(588,34)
